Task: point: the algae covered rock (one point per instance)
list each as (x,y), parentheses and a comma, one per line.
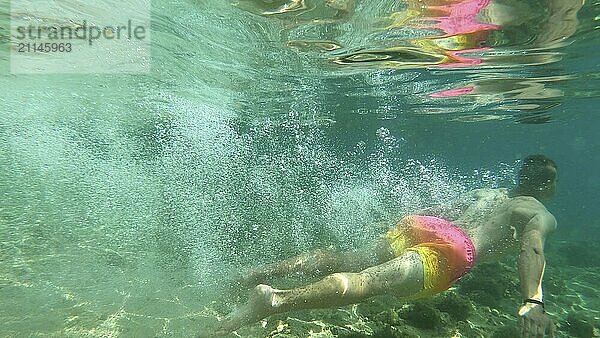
(422,315)
(506,331)
(579,325)
(394,332)
(390,316)
(489,284)
(457,306)
(349,334)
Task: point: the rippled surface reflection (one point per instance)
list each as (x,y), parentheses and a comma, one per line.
(475,59)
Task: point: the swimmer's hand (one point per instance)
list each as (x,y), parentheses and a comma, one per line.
(534,321)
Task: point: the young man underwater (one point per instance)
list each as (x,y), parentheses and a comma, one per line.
(424,254)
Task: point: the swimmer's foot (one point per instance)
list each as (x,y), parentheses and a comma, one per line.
(258,307)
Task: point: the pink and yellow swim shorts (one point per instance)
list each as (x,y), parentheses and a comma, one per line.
(446,251)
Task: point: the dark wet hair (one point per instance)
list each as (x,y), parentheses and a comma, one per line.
(535,173)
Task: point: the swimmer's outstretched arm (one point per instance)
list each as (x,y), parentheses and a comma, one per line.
(534,321)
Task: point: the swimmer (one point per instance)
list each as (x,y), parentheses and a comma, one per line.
(425,253)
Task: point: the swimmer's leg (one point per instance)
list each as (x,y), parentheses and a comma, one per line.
(402,276)
(320,263)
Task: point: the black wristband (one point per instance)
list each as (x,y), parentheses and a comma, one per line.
(534,301)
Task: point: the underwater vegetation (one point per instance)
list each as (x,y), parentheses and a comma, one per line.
(490,284)
(580,325)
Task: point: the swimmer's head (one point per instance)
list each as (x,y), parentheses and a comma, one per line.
(537,177)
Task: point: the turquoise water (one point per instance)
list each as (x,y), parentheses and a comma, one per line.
(128,201)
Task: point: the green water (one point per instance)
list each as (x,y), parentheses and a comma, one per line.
(128,201)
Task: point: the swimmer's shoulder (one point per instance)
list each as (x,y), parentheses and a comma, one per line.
(528,203)
(525,208)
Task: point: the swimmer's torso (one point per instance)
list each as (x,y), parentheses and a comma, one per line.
(493,220)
